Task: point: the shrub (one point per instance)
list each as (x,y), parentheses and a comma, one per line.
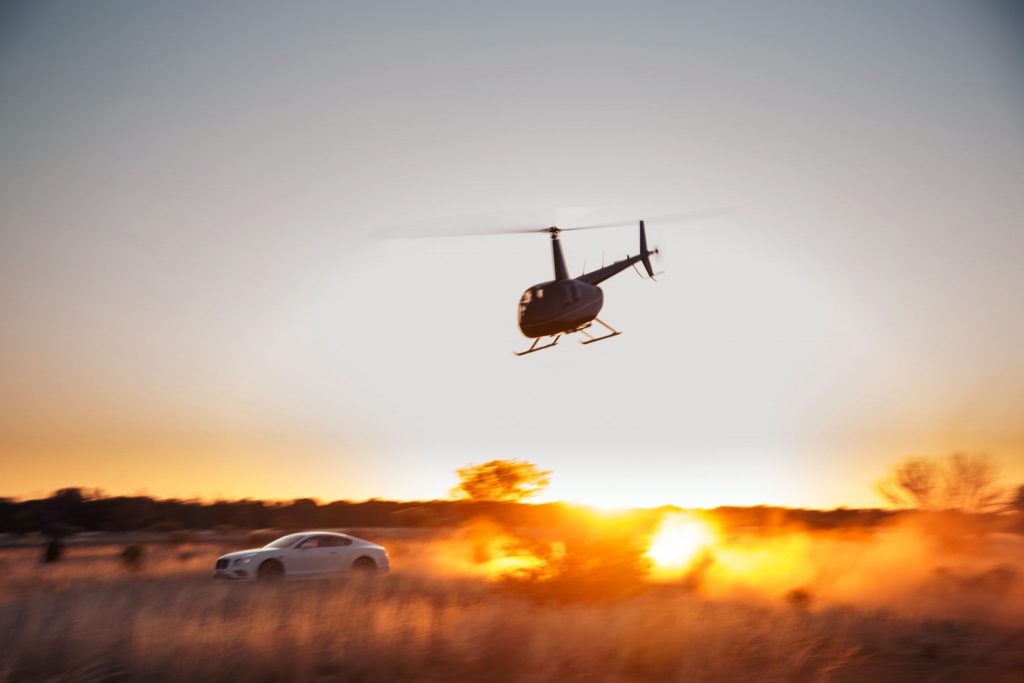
(53,552)
(132,557)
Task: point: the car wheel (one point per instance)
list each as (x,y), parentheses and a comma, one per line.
(271,570)
(364,568)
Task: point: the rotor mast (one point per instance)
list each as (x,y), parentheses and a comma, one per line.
(561,272)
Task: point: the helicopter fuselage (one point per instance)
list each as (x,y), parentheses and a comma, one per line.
(558,306)
(567,305)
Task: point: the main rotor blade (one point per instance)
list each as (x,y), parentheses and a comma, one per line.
(496,223)
(466,225)
(663,218)
(391,233)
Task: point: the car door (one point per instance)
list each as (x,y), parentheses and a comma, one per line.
(338,550)
(314,555)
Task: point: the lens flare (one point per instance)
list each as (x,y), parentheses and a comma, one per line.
(677,544)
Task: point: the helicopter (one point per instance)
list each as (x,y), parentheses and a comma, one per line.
(564,305)
(567,305)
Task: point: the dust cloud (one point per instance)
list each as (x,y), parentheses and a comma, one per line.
(928,566)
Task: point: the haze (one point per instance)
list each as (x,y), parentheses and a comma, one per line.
(192,304)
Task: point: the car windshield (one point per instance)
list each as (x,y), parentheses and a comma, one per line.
(285,541)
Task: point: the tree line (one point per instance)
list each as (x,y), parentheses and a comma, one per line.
(72,510)
(958,484)
(76,509)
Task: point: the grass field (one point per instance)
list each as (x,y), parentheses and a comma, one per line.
(88,618)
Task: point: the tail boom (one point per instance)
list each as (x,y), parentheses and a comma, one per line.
(602,274)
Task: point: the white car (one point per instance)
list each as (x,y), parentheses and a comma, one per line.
(306,555)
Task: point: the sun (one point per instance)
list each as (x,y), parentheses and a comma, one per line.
(678,542)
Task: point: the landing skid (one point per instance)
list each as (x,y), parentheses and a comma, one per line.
(533,347)
(590,339)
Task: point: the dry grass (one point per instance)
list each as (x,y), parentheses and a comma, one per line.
(89,619)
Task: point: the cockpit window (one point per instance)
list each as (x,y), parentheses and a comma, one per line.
(527,297)
(540,292)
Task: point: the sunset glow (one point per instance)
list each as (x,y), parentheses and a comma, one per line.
(541,342)
(209,316)
(677,545)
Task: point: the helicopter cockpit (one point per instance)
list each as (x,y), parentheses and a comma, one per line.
(533,294)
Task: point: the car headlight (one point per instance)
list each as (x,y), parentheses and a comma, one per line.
(243,560)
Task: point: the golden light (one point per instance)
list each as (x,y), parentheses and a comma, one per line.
(510,562)
(676,545)
(486,550)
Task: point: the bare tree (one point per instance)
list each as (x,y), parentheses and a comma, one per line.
(959,481)
(971,483)
(913,483)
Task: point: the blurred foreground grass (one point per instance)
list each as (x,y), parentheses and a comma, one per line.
(88,618)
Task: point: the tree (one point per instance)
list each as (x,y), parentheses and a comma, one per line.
(959,481)
(970,483)
(501,480)
(912,483)
(1017,502)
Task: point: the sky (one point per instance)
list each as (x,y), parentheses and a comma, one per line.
(192,303)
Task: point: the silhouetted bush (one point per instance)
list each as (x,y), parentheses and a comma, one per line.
(53,552)
(799,598)
(132,557)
